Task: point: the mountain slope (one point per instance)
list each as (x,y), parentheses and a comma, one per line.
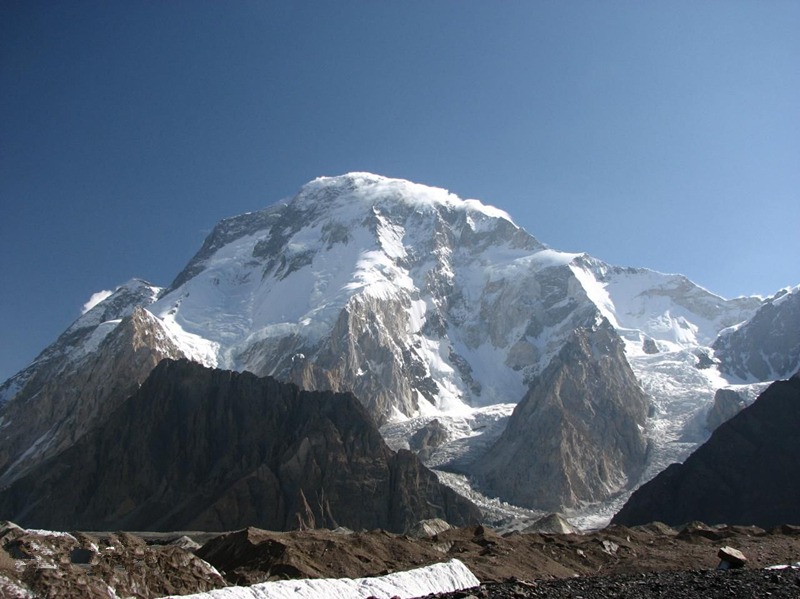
(202,449)
(748,472)
(81,337)
(767,346)
(578,435)
(80,380)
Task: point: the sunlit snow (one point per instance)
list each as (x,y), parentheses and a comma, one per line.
(438,578)
(95,299)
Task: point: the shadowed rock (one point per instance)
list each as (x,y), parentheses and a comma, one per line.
(727,403)
(748,472)
(203,449)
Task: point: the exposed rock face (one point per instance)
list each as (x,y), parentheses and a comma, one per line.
(427,528)
(551,524)
(428,438)
(67,395)
(204,449)
(79,339)
(727,403)
(649,346)
(766,347)
(374,351)
(79,566)
(577,436)
(748,472)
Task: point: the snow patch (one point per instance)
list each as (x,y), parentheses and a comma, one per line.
(438,578)
(50,533)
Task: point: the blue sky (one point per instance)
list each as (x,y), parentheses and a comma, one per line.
(664,135)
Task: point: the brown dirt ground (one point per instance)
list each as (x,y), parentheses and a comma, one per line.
(252,555)
(147,567)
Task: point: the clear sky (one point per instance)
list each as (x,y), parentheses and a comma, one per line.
(657,134)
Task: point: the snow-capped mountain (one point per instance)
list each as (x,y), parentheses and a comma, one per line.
(422,304)
(83,336)
(415,300)
(767,346)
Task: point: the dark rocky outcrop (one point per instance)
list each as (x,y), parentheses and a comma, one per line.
(649,346)
(766,347)
(727,403)
(204,449)
(748,472)
(428,438)
(578,434)
(704,360)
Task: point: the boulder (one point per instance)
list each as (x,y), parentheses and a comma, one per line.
(186,543)
(427,528)
(733,557)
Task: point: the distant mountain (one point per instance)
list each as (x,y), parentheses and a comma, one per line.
(79,380)
(748,472)
(767,346)
(202,449)
(421,304)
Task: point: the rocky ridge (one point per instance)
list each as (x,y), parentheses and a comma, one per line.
(655,560)
(204,449)
(35,563)
(577,436)
(69,392)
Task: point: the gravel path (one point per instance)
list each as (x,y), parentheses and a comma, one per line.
(707,584)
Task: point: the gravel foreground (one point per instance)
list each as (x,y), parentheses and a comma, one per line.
(650,561)
(708,584)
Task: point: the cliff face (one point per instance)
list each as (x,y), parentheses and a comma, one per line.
(202,449)
(578,435)
(748,472)
(65,396)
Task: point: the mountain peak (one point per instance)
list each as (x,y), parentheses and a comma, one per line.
(373,189)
